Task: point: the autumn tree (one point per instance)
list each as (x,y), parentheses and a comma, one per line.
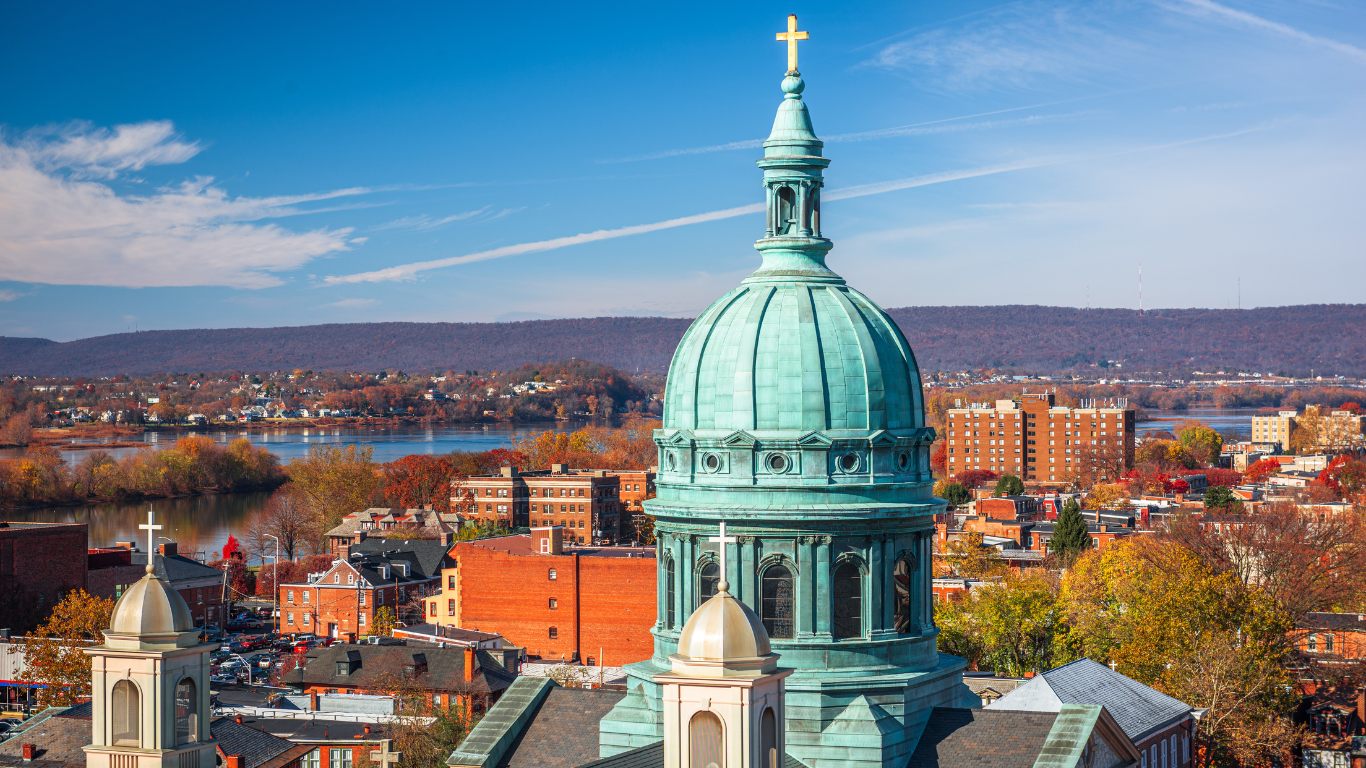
(336,480)
(55,652)
(1261,470)
(1202,444)
(1013,627)
(1166,619)
(288,517)
(1107,496)
(384,622)
(419,482)
(971,559)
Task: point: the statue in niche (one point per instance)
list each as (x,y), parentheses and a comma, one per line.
(902,574)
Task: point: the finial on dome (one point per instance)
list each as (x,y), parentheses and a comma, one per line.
(722,586)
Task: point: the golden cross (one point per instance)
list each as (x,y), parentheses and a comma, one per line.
(791,36)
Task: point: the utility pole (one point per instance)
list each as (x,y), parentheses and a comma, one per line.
(275,589)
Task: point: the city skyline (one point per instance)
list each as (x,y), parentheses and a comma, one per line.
(298,168)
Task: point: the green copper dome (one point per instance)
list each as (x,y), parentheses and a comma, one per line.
(793,355)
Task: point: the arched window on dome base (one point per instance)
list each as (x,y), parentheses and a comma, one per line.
(707,580)
(848,600)
(186,713)
(126,708)
(669,593)
(776,601)
(706,741)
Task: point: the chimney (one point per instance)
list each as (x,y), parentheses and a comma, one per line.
(367,727)
(239,719)
(344,552)
(234,761)
(469,664)
(313,701)
(168,549)
(361,536)
(29,751)
(1029,675)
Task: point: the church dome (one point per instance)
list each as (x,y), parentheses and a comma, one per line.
(723,638)
(793,353)
(151,607)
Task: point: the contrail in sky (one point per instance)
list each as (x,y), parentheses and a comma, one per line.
(410,271)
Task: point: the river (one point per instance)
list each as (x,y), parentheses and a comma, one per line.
(206,521)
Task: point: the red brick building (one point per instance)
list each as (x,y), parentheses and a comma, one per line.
(341,601)
(39,562)
(453,677)
(114,569)
(586,503)
(585,604)
(1039,442)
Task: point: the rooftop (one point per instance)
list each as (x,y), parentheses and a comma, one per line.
(522,544)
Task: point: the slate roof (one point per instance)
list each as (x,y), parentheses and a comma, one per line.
(978,738)
(257,748)
(177,568)
(1326,620)
(652,756)
(312,730)
(1136,708)
(445,668)
(59,740)
(432,522)
(563,732)
(427,556)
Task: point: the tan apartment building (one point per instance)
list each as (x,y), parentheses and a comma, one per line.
(586,503)
(1041,442)
(1274,429)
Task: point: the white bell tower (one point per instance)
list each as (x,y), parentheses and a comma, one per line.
(150,687)
(723,698)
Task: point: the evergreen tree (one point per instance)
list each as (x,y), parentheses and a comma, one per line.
(956,494)
(1219,497)
(1009,485)
(1070,535)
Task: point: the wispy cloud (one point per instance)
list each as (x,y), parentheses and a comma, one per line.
(352,303)
(1242,17)
(912,129)
(9,295)
(410,271)
(425,222)
(59,227)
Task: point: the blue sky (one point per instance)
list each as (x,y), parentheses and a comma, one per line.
(184,166)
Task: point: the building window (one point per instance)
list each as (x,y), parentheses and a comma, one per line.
(768,740)
(1328,643)
(289,617)
(336,578)
(126,706)
(450,607)
(552,574)
(306,593)
(350,578)
(118,591)
(706,745)
(669,594)
(360,598)
(1313,643)
(848,592)
(289,596)
(707,582)
(777,601)
(306,619)
(199,595)
(903,573)
(186,713)
(310,760)
(554,633)
(339,757)
(360,619)
(433,607)
(553,604)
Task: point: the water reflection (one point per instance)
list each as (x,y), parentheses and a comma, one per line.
(196,523)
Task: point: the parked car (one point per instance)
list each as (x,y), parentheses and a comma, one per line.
(222,679)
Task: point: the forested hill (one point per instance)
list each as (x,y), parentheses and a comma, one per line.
(1331,339)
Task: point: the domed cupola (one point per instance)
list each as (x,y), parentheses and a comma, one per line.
(151,611)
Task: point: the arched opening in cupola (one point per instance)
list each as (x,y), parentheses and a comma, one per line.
(786,223)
